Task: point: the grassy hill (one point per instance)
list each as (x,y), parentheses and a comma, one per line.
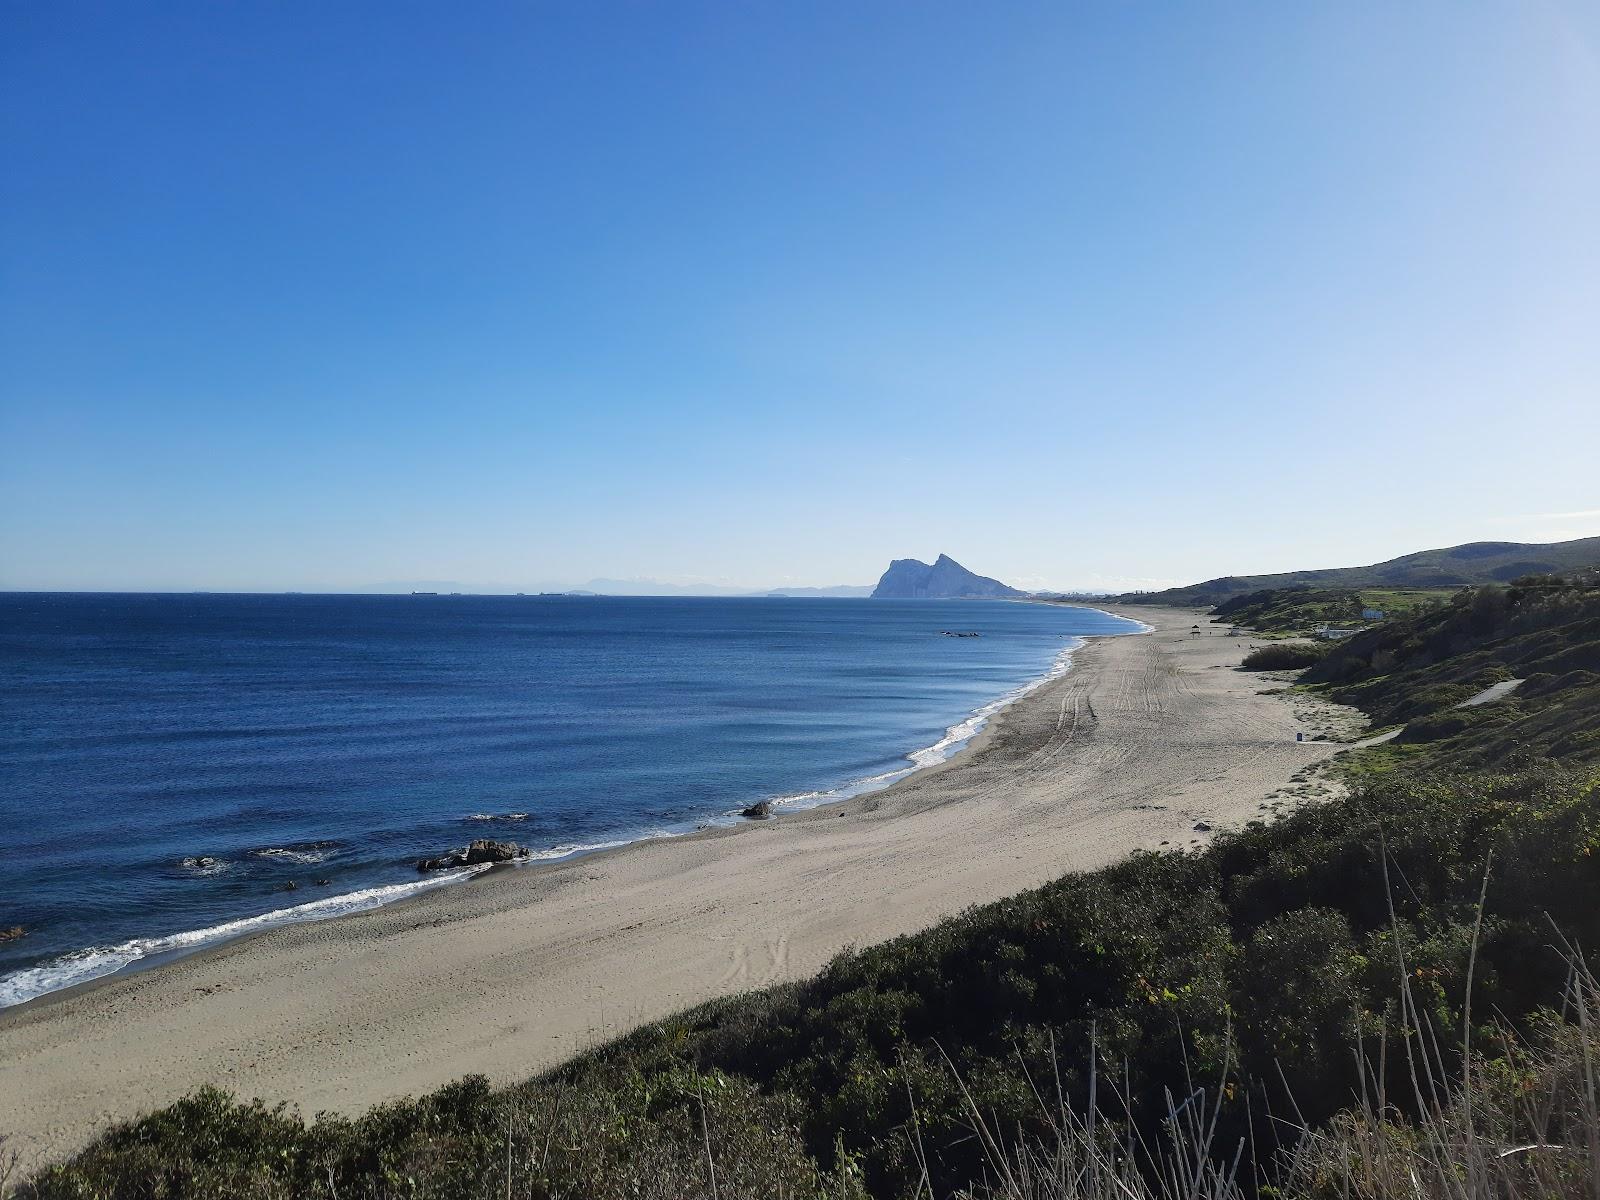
(1452,567)
(1417,671)
(1299,610)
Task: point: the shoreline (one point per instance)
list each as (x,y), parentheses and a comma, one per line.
(173,947)
(1145,735)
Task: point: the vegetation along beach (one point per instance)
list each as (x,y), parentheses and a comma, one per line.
(799,601)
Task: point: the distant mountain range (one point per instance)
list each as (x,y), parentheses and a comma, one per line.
(605,587)
(654,587)
(1454,566)
(845,591)
(906,577)
(945,579)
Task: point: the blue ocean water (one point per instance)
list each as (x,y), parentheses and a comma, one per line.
(169,764)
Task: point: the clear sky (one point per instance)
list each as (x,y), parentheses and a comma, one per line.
(339,296)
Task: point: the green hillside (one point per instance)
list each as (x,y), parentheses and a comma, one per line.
(1299,610)
(1452,567)
(1417,671)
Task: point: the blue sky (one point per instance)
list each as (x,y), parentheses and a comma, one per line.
(333,296)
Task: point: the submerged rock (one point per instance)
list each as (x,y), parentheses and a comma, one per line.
(481,851)
(12,934)
(200,860)
(761,811)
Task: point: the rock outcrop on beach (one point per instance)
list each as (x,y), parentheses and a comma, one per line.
(481,851)
(945,579)
(760,811)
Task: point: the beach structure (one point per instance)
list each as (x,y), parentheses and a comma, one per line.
(1333,634)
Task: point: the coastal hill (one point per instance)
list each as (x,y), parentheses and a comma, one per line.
(946,579)
(1454,566)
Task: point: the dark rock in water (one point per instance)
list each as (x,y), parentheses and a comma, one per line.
(324,883)
(481,851)
(12,934)
(485,851)
(200,860)
(291,886)
(1201,827)
(758,812)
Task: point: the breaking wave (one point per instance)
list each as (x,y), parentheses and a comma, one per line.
(96,962)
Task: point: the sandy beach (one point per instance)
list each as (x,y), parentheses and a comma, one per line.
(1146,736)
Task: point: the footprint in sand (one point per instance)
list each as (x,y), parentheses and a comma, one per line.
(738,971)
(778,953)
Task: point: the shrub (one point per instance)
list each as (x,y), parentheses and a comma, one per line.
(1287,656)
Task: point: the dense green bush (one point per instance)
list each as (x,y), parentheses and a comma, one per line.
(1285,656)
(616,1135)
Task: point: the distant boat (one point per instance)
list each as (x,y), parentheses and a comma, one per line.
(424,593)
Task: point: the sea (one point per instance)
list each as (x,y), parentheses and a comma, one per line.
(180,770)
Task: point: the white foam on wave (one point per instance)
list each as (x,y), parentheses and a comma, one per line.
(955,737)
(572,849)
(205,866)
(497,816)
(962,732)
(96,962)
(304,857)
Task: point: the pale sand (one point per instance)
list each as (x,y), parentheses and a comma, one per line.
(1145,736)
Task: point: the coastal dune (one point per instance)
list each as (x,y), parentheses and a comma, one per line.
(1144,738)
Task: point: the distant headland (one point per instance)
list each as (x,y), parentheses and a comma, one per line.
(945,579)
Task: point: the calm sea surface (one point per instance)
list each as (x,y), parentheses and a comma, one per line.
(170,764)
